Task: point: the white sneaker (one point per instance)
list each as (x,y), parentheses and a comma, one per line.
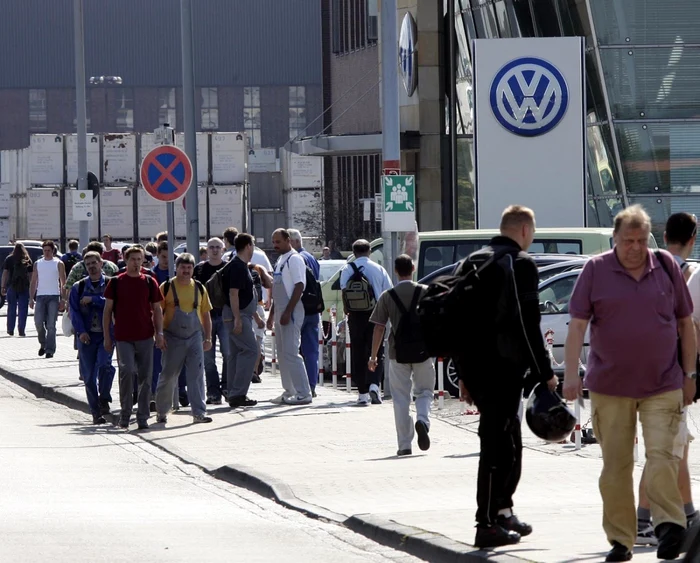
(364,400)
(645,534)
(281,400)
(298,400)
(375,394)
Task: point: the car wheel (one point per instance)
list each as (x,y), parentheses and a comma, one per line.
(451,381)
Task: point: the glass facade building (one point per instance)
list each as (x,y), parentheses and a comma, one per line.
(643,101)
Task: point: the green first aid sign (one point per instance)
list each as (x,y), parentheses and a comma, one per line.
(399,203)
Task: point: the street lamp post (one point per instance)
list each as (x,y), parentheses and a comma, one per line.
(81,109)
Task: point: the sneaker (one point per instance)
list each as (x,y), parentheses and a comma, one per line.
(49,355)
(10,333)
(142,424)
(281,400)
(256,379)
(513,524)
(363,400)
(402,453)
(670,540)
(645,533)
(98,419)
(375,394)
(161,419)
(494,536)
(619,553)
(213,401)
(236,402)
(298,400)
(423,438)
(201,419)
(42,351)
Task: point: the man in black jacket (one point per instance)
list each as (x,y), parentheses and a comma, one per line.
(494,379)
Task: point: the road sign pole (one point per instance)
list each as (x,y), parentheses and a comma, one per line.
(192,196)
(170,212)
(81,110)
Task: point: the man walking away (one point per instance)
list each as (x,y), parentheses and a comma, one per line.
(362,282)
(398,305)
(72,257)
(16,279)
(48,278)
(287,318)
(493,378)
(134,299)
(309,330)
(109,253)
(640,304)
(185,316)
(680,236)
(219,330)
(243,306)
(86,311)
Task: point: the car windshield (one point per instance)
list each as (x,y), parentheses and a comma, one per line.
(330,267)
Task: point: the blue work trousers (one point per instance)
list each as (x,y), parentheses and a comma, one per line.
(97,371)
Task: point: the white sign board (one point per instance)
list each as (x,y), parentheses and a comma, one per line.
(306,171)
(151,215)
(5,200)
(530,129)
(181,215)
(307,211)
(262,160)
(82,205)
(117,212)
(148,143)
(4,231)
(72,226)
(399,203)
(93,157)
(46,160)
(43,214)
(119,159)
(225,208)
(229,155)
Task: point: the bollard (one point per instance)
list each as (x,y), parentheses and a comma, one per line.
(348,362)
(334,350)
(273,361)
(441,384)
(321,370)
(577,428)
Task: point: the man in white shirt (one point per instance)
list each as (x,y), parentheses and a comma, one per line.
(48,277)
(287,318)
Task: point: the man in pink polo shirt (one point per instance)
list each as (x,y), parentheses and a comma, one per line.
(637,306)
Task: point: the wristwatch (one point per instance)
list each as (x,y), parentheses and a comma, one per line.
(692,375)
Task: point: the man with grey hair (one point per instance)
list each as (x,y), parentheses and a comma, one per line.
(639,304)
(309,330)
(186,308)
(203,272)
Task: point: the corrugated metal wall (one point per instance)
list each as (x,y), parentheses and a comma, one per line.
(237,42)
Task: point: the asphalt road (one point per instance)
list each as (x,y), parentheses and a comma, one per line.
(71,492)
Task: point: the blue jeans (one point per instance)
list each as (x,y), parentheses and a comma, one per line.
(309,348)
(219,331)
(45,316)
(97,371)
(15,300)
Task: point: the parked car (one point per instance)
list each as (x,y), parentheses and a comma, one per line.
(329,268)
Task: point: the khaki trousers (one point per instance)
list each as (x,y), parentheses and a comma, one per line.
(615,426)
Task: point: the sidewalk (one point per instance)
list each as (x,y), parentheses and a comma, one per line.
(336,461)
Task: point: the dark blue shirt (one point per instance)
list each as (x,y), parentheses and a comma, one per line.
(311,262)
(161,275)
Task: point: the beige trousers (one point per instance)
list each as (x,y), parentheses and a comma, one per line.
(615,426)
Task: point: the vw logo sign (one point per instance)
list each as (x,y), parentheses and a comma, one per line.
(529,96)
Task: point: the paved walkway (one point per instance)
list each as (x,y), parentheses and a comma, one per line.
(335,460)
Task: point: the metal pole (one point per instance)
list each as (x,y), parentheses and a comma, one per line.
(452,207)
(192,197)
(170,212)
(81,111)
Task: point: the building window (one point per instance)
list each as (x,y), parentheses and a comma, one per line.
(297,111)
(210,109)
(251,116)
(167,107)
(125,110)
(37,111)
(354,25)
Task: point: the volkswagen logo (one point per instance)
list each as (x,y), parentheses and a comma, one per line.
(529,96)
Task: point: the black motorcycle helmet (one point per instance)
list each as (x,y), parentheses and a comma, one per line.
(548,416)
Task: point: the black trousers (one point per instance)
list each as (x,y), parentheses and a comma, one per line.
(361,331)
(497,394)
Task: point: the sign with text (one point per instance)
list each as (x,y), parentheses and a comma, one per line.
(46,160)
(399,205)
(229,155)
(82,205)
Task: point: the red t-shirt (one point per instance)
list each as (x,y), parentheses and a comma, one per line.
(133,318)
(112,255)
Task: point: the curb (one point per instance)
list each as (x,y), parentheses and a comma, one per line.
(429,546)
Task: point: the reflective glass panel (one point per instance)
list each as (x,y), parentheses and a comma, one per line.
(660,208)
(465,183)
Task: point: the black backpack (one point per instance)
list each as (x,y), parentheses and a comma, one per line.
(257,284)
(19,277)
(311,299)
(358,294)
(409,343)
(217,286)
(462,313)
(70,260)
